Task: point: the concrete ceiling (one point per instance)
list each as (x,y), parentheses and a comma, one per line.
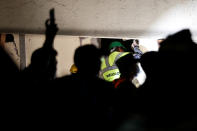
(101,18)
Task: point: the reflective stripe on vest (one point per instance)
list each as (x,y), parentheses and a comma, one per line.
(111,75)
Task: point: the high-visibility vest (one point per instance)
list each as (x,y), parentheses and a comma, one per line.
(109,69)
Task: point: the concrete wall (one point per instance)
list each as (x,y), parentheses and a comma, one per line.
(105,18)
(65,46)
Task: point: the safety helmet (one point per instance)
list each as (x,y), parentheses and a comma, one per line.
(73,69)
(116,44)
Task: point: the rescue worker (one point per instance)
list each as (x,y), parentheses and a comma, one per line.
(109,70)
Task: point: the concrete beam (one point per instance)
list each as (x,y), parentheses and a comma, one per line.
(101,18)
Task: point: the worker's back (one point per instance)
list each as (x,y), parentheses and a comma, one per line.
(109,70)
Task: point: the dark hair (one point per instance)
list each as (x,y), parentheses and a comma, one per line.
(127,64)
(87,59)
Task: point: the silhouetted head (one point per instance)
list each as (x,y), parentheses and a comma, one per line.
(180,42)
(149,62)
(44,62)
(87,60)
(127,66)
(178,50)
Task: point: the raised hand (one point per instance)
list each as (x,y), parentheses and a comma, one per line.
(51,29)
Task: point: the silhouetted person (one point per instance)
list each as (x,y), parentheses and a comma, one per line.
(178,53)
(170,93)
(43,61)
(9,91)
(128,68)
(86,98)
(149,63)
(35,80)
(133,46)
(9,70)
(125,102)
